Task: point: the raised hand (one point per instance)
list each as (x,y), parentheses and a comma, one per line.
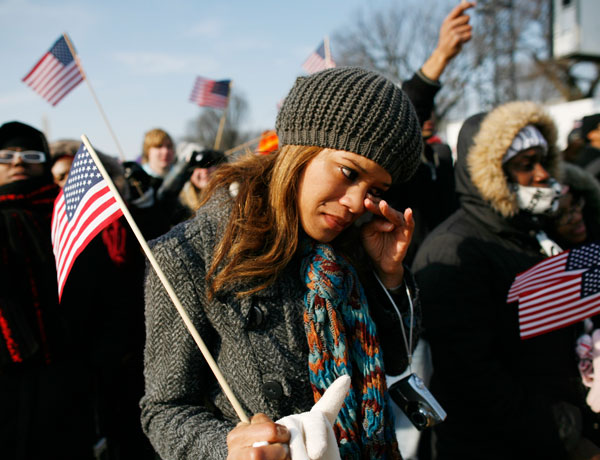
(455,31)
(593,396)
(386,239)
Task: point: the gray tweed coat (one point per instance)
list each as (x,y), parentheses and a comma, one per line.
(258,343)
(184,413)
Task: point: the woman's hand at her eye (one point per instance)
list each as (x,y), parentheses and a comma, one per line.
(386,239)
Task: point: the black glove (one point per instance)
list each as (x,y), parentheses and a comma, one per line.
(139,181)
(180,173)
(206,158)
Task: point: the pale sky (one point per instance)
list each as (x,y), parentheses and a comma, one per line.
(142,57)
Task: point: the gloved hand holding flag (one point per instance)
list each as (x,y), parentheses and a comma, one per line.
(312,436)
(593,396)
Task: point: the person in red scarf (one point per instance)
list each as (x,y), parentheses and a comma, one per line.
(45,411)
(27,196)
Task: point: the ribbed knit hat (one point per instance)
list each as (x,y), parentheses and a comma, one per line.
(357,110)
(528,137)
(589,123)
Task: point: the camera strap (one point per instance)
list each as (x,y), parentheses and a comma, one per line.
(407,340)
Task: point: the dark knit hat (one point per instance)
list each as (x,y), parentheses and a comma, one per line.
(17,134)
(589,123)
(357,110)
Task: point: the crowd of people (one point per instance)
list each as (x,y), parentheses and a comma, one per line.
(324,278)
(71,373)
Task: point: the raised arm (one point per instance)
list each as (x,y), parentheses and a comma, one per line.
(455,31)
(424,84)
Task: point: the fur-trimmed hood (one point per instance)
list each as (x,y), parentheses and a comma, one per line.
(484,139)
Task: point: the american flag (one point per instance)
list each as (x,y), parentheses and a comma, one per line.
(55,74)
(82,209)
(559,291)
(210,93)
(318,60)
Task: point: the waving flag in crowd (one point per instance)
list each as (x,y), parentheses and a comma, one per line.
(82,209)
(320,59)
(55,74)
(559,291)
(210,93)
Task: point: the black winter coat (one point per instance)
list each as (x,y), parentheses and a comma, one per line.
(503,395)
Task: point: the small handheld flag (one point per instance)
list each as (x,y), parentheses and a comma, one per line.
(114,195)
(559,291)
(82,209)
(210,93)
(320,59)
(56,74)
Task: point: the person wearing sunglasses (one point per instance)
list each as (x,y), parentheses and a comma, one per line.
(45,403)
(20,163)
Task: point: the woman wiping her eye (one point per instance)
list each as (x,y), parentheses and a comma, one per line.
(273,279)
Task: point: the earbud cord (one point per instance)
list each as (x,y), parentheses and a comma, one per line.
(407,343)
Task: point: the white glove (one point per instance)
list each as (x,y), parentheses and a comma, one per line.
(312,436)
(583,350)
(593,397)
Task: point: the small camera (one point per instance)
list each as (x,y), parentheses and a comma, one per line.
(416,401)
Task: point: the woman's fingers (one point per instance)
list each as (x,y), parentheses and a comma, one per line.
(381,208)
(272,440)
(409,219)
(268,452)
(459,9)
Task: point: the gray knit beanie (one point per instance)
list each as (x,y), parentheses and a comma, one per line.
(357,110)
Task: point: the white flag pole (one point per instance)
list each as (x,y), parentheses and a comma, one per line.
(222,121)
(186,319)
(327,51)
(80,67)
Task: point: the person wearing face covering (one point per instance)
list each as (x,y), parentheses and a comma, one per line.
(505,397)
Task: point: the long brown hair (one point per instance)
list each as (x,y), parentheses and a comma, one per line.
(261,236)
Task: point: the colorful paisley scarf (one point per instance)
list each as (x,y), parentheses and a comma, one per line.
(342,340)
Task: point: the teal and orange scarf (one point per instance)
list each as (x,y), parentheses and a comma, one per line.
(342,340)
